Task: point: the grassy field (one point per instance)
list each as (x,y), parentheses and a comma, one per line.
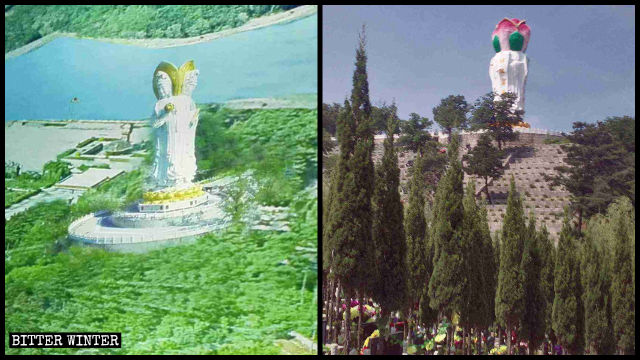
(229,293)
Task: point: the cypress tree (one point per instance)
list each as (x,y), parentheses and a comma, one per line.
(547,253)
(623,288)
(510,291)
(447,281)
(595,282)
(389,280)
(349,224)
(489,273)
(565,316)
(473,258)
(418,256)
(532,325)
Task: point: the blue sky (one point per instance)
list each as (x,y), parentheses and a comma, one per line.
(581,58)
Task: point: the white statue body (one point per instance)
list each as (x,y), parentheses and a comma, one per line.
(174,119)
(508,71)
(509,67)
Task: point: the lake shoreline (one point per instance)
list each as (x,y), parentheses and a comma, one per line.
(253,24)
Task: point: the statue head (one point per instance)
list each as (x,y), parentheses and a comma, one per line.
(173,87)
(171,81)
(511,35)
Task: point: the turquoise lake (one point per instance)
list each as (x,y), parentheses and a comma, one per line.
(113,81)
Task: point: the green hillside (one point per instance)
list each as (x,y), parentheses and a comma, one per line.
(27,23)
(230,292)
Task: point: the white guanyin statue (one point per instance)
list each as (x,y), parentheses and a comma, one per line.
(509,67)
(174,119)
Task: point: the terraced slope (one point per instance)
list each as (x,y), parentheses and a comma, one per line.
(529,159)
(527,165)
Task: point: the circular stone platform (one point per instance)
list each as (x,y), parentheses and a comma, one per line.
(135,231)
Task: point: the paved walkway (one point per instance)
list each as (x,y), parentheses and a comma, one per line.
(46,195)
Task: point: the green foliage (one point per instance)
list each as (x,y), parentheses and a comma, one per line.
(600,165)
(414,133)
(532,324)
(509,305)
(556,140)
(330,113)
(31,22)
(547,257)
(484,160)
(389,279)
(477,298)
(623,282)
(447,281)
(228,293)
(65,153)
(567,300)
(351,225)
(280,144)
(451,113)
(13,197)
(596,282)
(497,117)
(416,229)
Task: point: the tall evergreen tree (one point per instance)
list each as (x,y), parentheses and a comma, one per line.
(419,266)
(349,223)
(547,253)
(489,273)
(510,291)
(596,299)
(389,280)
(566,312)
(623,288)
(532,324)
(477,260)
(447,281)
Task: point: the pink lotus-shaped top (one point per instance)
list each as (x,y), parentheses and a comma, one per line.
(511,34)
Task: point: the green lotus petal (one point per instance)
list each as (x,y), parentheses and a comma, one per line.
(516,40)
(496,43)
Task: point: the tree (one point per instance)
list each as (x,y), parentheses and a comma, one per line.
(489,272)
(566,302)
(451,113)
(623,288)
(389,278)
(414,133)
(379,116)
(477,257)
(547,253)
(419,257)
(510,292)
(596,298)
(484,161)
(447,281)
(532,324)
(362,170)
(600,165)
(330,114)
(497,116)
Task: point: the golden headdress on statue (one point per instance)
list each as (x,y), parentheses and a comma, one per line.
(171,81)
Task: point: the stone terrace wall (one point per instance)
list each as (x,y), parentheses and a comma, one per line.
(531,158)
